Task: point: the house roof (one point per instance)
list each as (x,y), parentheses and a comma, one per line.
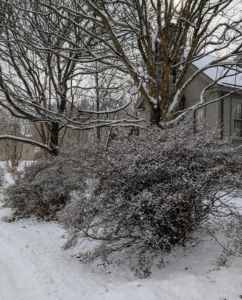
(233,76)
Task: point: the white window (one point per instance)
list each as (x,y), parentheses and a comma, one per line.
(238,119)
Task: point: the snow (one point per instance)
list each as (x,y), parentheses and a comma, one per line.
(8,179)
(231,78)
(24,140)
(32,266)
(21,166)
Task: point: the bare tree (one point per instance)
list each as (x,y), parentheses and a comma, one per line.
(38,82)
(155,42)
(13,151)
(104,90)
(48,49)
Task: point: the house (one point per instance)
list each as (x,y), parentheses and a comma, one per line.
(227,89)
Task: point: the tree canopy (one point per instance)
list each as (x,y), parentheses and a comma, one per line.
(50,50)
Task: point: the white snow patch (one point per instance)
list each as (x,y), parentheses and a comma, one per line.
(32,266)
(8,179)
(21,167)
(24,164)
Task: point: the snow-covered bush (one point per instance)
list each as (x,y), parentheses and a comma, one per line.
(46,186)
(154,191)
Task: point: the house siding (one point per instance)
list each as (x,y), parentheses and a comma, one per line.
(213,110)
(193,91)
(227,116)
(218,112)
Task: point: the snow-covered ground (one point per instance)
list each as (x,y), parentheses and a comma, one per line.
(33,267)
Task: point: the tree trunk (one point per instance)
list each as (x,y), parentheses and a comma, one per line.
(54,138)
(155,115)
(97,100)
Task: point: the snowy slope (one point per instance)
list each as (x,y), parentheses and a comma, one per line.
(32,266)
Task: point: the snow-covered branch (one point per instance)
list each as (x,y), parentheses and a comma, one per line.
(27,141)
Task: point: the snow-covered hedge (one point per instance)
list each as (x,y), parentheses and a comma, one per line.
(154,191)
(141,196)
(46,186)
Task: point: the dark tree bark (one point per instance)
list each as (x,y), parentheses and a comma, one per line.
(54,138)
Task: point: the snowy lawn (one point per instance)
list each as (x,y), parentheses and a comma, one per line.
(33,267)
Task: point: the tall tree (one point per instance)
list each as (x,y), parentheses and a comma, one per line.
(42,78)
(155,42)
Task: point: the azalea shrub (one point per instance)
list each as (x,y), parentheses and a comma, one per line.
(46,186)
(139,197)
(153,192)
